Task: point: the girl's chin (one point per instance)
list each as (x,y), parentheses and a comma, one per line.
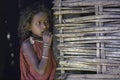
(40,35)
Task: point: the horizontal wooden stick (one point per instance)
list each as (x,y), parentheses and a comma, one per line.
(90,18)
(91,28)
(94,41)
(86,79)
(84,54)
(70,68)
(108,54)
(113,55)
(94,76)
(112,58)
(88,48)
(73,12)
(93,61)
(82,34)
(83,26)
(78,50)
(89,3)
(112,45)
(110,13)
(78,34)
(112,9)
(93,21)
(79,56)
(71,24)
(56,8)
(76,45)
(107,45)
(92,38)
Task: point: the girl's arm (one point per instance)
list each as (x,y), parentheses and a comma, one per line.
(39,65)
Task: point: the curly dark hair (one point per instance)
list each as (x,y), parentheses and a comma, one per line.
(26,17)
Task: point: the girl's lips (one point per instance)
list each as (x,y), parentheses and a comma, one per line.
(42,32)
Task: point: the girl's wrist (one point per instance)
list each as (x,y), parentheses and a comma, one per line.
(45,51)
(44,57)
(46,45)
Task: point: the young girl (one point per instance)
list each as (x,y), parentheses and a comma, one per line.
(37,61)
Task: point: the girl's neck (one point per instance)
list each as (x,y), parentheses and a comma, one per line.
(36,37)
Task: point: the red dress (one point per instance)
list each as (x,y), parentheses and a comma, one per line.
(28,72)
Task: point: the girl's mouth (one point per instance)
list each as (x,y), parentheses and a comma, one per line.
(42,32)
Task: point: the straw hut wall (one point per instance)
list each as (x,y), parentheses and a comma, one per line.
(87,39)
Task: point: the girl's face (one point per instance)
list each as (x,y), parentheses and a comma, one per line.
(39,23)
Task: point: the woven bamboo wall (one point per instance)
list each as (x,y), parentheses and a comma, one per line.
(87,37)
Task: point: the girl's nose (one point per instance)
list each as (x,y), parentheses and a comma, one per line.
(43,25)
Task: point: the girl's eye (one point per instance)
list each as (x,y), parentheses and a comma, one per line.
(38,23)
(46,22)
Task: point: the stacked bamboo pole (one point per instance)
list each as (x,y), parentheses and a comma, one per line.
(87,37)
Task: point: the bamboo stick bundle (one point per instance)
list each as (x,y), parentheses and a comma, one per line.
(87,34)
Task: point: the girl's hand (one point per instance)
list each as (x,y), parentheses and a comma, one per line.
(47,38)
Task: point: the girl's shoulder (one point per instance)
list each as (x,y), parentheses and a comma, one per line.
(25,44)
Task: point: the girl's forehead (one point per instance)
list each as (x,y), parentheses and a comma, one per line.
(40,16)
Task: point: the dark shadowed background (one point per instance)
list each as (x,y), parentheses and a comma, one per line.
(9,41)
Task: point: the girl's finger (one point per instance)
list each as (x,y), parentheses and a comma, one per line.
(49,33)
